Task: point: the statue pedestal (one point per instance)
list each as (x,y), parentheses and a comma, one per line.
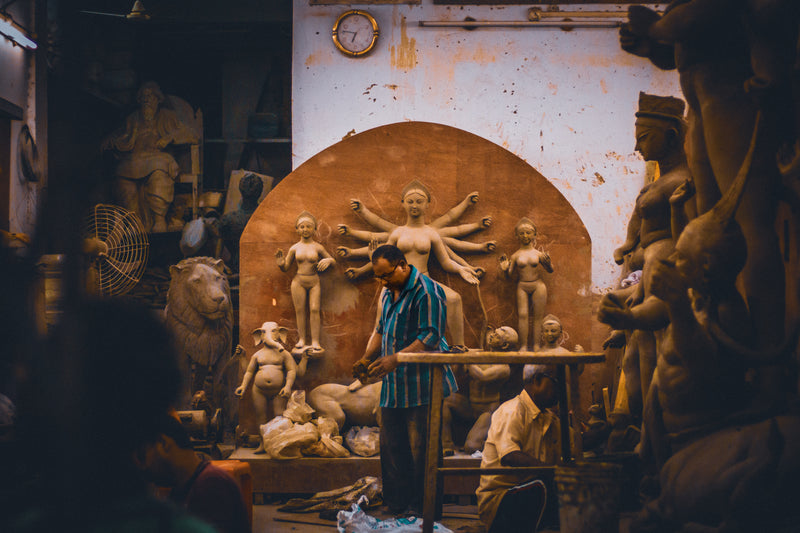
(308,475)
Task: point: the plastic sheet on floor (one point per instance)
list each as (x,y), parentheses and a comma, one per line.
(357,521)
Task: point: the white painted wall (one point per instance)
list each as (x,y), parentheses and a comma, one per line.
(562,101)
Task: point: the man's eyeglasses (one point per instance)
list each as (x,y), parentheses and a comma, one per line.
(383,277)
(550,375)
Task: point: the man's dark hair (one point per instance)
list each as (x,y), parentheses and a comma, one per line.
(390,252)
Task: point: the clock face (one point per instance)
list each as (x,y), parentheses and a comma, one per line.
(355,32)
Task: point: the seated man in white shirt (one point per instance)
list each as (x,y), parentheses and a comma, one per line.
(522,433)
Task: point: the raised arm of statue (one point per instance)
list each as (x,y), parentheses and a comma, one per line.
(465,246)
(455,212)
(370,217)
(466,229)
(362,235)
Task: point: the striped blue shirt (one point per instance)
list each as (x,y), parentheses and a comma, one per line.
(420,312)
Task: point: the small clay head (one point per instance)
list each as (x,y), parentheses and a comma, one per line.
(525,230)
(551,329)
(502,339)
(251,186)
(660,127)
(415,186)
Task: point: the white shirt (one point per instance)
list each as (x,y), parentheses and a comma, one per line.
(517,425)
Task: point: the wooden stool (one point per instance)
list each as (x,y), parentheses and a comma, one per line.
(240,470)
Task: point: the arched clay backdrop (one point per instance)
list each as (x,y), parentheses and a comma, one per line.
(373,167)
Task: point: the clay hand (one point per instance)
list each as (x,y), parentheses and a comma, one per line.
(342,251)
(239,391)
(323,264)
(361,370)
(279,255)
(614,312)
(615,339)
(504,262)
(666,283)
(469,275)
(547,263)
(578,348)
(473,197)
(343,229)
(350,273)
(285,392)
(490,246)
(682,194)
(355,205)
(486,222)
(373,245)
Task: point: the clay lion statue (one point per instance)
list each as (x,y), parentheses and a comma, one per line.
(354,405)
(200,315)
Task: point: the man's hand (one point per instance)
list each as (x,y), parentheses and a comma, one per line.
(361,370)
(383,366)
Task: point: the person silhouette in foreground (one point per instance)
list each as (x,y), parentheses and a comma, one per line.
(205,490)
(90,400)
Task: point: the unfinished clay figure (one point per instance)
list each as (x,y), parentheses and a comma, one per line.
(419,240)
(272,371)
(311,258)
(528,262)
(486,385)
(660,132)
(553,336)
(146,173)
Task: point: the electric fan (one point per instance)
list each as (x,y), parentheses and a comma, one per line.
(116,245)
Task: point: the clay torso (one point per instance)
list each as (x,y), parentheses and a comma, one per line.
(270,376)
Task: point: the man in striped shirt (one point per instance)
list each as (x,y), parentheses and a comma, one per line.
(413,317)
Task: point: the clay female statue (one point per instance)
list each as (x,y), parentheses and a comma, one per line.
(272,371)
(419,241)
(553,336)
(311,258)
(528,263)
(660,133)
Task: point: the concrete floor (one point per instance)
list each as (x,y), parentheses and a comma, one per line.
(457,518)
(267,519)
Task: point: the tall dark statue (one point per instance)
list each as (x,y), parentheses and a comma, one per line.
(660,130)
(711,43)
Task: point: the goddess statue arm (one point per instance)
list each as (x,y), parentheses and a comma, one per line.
(545,261)
(362,235)
(677,202)
(465,246)
(371,218)
(631,238)
(284,262)
(452,262)
(465,229)
(358,272)
(344,251)
(455,213)
(326,259)
(291,374)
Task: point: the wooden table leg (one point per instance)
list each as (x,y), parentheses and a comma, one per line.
(563,414)
(432,453)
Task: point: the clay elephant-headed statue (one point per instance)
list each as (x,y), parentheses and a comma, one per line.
(272,371)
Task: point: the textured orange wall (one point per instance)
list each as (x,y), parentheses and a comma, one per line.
(374,166)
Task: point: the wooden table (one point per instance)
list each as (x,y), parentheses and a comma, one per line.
(433,466)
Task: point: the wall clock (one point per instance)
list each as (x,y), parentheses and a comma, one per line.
(355,32)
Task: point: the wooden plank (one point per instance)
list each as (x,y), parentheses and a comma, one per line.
(477,357)
(432,454)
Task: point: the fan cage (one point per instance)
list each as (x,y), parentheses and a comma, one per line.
(122,266)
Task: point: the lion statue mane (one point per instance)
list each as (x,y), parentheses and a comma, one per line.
(200,315)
